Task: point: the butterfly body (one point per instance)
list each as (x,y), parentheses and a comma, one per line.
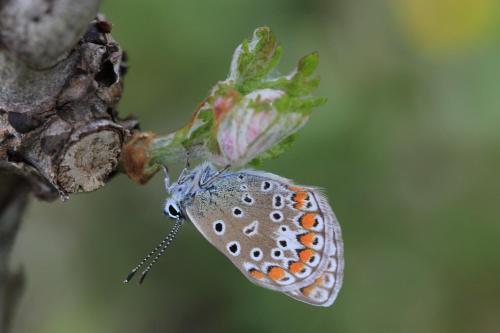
(281,236)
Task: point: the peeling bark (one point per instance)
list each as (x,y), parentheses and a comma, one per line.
(60,82)
(61,123)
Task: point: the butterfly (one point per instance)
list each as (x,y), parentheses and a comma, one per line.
(281,236)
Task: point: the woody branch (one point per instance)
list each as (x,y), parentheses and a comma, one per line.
(60,81)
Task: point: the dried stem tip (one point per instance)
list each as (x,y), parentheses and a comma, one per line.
(135,157)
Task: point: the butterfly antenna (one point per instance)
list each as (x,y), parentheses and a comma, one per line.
(162,247)
(172,235)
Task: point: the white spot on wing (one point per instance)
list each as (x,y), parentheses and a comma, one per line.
(314,260)
(328,280)
(332,265)
(319,294)
(319,242)
(283,243)
(310,205)
(276,216)
(266,265)
(283,229)
(233,248)
(256,254)
(247,199)
(306,271)
(266,186)
(333,249)
(277,253)
(251,229)
(238,212)
(248,266)
(320,223)
(278,201)
(286,280)
(219,227)
(289,236)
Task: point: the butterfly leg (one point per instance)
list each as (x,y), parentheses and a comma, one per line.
(221,171)
(184,171)
(187,165)
(166,180)
(214,176)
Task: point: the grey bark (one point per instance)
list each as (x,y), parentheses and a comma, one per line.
(60,82)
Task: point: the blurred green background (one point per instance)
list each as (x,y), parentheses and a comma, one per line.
(407,147)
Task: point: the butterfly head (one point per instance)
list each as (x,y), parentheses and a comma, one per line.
(189,183)
(172,210)
(173,205)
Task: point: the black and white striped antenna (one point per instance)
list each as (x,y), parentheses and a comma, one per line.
(159,250)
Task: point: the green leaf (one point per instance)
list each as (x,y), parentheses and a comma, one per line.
(253,60)
(252,92)
(276,151)
(308,64)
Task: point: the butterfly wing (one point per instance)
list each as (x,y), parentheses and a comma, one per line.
(324,290)
(280,236)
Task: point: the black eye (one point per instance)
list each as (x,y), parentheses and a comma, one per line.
(172,211)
